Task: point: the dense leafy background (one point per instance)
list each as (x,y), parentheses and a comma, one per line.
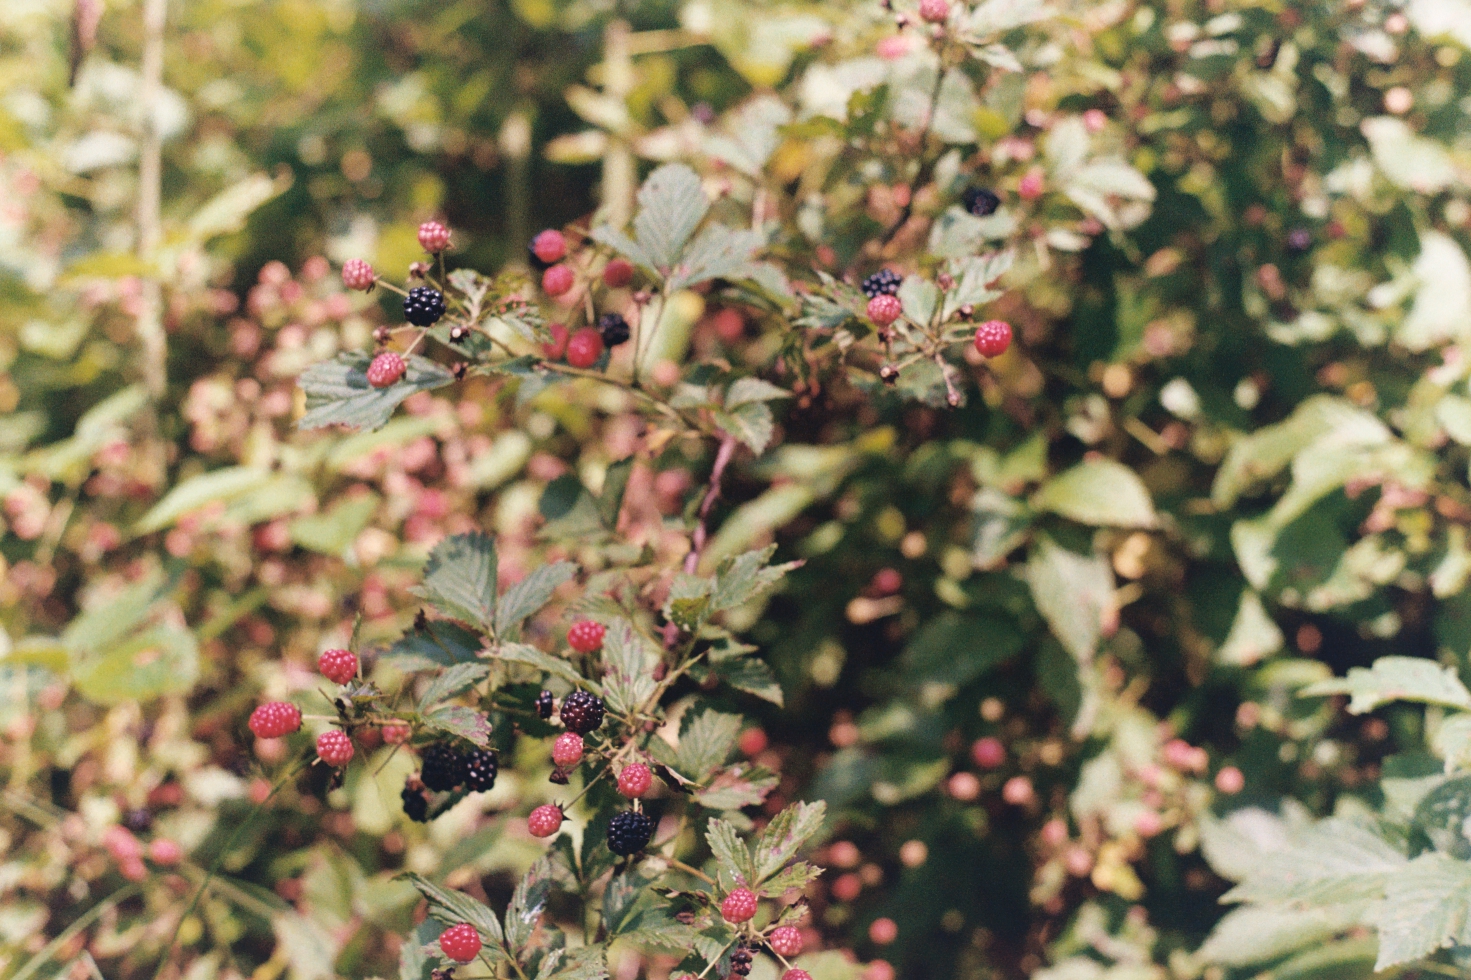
(1225,460)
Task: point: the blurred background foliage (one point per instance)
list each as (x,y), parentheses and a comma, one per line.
(1041,643)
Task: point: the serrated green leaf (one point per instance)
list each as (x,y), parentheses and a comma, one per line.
(973,276)
(1442,815)
(752,424)
(439,644)
(795,877)
(671,205)
(785,835)
(705,741)
(1330,862)
(1101,492)
(217,486)
(451,681)
(717,253)
(615,482)
(521,653)
(729,850)
(742,673)
(460,579)
(105,623)
(1425,908)
(629,662)
(451,907)
(743,391)
(688,604)
(527,904)
(413,964)
(1072,592)
(1451,741)
(736,787)
(527,596)
(582,963)
(1258,933)
(1396,679)
(338,393)
(462,722)
(920,298)
(745,577)
(158,661)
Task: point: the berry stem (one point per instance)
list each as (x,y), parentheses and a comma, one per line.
(379,281)
(687,869)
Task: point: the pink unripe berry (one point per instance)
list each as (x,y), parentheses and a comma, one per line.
(884,309)
(162,850)
(334,747)
(396,733)
(557,349)
(274,719)
(1031,185)
(545,820)
(460,943)
(433,237)
(121,843)
(357,274)
(338,666)
(1018,791)
(883,931)
(617,273)
(1230,780)
(963,786)
(634,781)
(549,246)
(752,742)
(988,752)
(385,369)
(557,280)
(993,338)
(739,906)
(1054,832)
(567,749)
(586,636)
(934,11)
(796,974)
(1148,823)
(786,941)
(585,347)
(1094,120)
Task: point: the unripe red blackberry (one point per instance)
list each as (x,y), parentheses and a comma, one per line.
(988,752)
(460,943)
(557,349)
(334,747)
(884,309)
(585,347)
(934,11)
(442,767)
(634,781)
(582,712)
(786,941)
(567,749)
(993,338)
(549,246)
(338,666)
(739,906)
(545,820)
(557,280)
(796,974)
(162,850)
(617,273)
(396,733)
(274,719)
(586,636)
(629,832)
(481,768)
(358,274)
(433,237)
(385,369)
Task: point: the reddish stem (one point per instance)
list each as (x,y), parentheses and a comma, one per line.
(717,472)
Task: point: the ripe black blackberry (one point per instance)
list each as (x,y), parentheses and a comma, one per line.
(629,832)
(544,705)
(582,712)
(613,328)
(443,767)
(480,769)
(740,961)
(884,282)
(416,808)
(979,201)
(423,306)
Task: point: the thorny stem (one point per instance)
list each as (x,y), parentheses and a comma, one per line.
(926,166)
(717,473)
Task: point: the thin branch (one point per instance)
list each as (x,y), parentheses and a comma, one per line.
(81,922)
(717,473)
